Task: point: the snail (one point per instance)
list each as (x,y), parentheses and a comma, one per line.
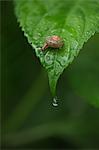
(53,41)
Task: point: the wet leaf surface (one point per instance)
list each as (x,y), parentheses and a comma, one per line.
(74,21)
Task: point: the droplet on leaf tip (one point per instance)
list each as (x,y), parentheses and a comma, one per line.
(55,103)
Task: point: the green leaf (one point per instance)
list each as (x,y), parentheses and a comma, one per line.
(75,21)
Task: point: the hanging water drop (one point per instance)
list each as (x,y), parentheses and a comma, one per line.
(55,103)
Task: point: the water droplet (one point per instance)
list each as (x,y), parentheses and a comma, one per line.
(35,37)
(74,45)
(49,58)
(63,59)
(63,30)
(39,34)
(58,68)
(55,103)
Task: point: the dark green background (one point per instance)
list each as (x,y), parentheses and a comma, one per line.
(28,118)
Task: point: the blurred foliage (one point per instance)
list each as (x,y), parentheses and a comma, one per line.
(84,74)
(28,118)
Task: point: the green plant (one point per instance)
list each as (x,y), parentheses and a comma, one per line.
(74,21)
(28,117)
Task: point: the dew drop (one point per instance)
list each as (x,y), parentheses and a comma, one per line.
(49,58)
(74,45)
(55,102)
(63,30)
(39,34)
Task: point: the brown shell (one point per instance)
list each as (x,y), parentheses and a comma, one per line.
(53,41)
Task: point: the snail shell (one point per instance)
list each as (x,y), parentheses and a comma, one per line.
(53,41)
